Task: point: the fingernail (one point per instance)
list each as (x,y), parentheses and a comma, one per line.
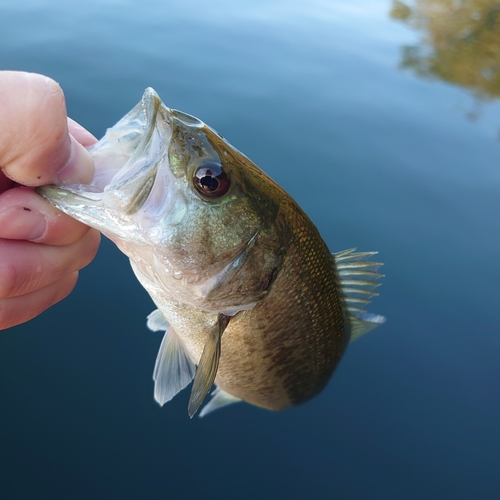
(21,223)
(80,167)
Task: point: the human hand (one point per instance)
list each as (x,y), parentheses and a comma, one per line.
(41,249)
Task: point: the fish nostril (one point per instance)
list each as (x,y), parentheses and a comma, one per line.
(186,119)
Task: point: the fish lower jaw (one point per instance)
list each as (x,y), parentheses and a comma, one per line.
(71,196)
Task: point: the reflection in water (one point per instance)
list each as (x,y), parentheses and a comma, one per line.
(461,43)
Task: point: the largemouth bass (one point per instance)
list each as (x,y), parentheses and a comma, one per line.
(248,294)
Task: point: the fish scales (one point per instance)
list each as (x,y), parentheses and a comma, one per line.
(246,288)
(284,350)
(296,334)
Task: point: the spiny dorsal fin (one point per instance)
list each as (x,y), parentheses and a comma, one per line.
(208,365)
(356,292)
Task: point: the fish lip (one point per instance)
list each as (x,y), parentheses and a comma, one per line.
(134,185)
(150,104)
(131,181)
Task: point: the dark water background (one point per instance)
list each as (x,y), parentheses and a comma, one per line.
(346,105)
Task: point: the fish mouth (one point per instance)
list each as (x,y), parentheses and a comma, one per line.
(133,182)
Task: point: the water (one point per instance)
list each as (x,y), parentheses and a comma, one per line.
(383,151)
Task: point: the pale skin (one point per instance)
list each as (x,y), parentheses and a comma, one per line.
(41,249)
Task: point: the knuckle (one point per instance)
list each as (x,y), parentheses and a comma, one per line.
(10,316)
(61,289)
(90,247)
(6,319)
(67,285)
(9,280)
(17,310)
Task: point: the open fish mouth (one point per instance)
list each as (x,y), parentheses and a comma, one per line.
(133,182)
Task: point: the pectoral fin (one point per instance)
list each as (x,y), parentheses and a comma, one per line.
(173,368)
(208,365)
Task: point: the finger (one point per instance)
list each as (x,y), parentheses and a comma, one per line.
(5,182)
(82,135)
(36,148)
(17,310)
(25,215)
(26,267)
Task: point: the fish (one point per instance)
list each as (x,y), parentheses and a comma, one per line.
(248,295)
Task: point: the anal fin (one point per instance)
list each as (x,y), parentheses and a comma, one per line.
(220,398)
(363,323)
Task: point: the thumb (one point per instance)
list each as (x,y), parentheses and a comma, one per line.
(35,146)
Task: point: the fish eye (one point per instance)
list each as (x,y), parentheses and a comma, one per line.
(210,180)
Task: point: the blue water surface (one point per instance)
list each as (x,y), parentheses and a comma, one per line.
(313,91)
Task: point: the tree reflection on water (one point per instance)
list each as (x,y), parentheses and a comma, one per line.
(461,42)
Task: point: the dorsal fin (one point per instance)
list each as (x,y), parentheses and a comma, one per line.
(357,281)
